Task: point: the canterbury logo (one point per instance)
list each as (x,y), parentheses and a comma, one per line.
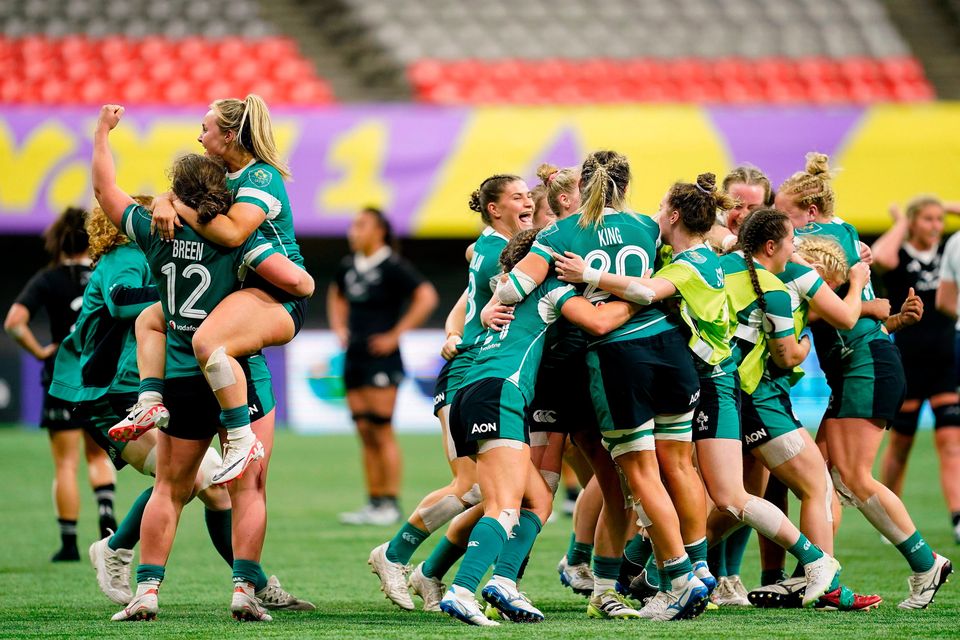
(483,427)
(473,543)
(545,416)
(409,537)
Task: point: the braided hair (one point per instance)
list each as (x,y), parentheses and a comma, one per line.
(757,229)
(812,185)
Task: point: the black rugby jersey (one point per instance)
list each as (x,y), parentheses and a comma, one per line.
(59,291)
(377,288)
(920,270)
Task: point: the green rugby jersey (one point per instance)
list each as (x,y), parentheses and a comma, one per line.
(514,354)
(260,184)
(100,354)
(753,327)
(867,329)
(193,275)
(698,277)
(802,284)
(624,244)
(481,282)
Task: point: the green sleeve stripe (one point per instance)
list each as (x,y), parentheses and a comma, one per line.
(250,258)
(543,251)
(270,204)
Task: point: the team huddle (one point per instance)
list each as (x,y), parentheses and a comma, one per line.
(665,347)
(655,354)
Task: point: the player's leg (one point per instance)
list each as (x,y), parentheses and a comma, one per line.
(381,402)
(65,449)
(426,579)
(853,445)
(103,477)
(503,468)
(178,461)
(372,474)
(242,324)
(537,504)
(903,430)
(148,411)
(947,440)
(726,489)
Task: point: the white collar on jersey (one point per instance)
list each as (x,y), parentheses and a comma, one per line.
(925,257)
(364,263)
(236,174)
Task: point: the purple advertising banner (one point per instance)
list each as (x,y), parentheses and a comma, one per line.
(420,163)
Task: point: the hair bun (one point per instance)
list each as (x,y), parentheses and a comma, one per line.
(707,182)
(817,164)
(546,171)
(475,202)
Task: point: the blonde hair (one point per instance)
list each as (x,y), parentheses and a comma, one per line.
(919,203)
(249,119)
(812,185)
(750,175)
(826,253)
(604,178)
(556,182)
(104,236)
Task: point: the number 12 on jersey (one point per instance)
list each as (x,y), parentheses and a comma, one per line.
(187,310)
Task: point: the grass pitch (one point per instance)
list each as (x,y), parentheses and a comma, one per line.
(312,480)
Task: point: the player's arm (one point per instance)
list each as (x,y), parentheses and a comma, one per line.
(231,230)
(878,309)
(910,313)
(453,326)
(886,250)
(571,268)
(112,198)
(597,320)
(125,301)
(946,300)
(787,352)
(842,313)
(526,276)
(422,304)
(468,254)
(338,311)
(279,271)
(17,326)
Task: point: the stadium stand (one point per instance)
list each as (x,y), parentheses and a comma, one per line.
(158,52)
(726,51)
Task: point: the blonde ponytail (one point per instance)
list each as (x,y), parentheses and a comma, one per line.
(604,178)
(250,120)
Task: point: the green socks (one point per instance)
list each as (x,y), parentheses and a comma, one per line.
(151,385)
(218,526)
(696,551)
(443,557)
(516,549)
(128,531)
(150,573)
(248,571)
(235,418)
(717,558)
(405,542)
(579,552)
(486,543)
(735,548)
(638,550)
(805,551)
(917,552)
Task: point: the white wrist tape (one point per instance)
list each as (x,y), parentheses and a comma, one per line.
(592,276)
(517,287)
(641,294)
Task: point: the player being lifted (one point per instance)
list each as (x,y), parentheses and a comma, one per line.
(193,276)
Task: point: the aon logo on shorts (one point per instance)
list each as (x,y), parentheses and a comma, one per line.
(756,436)
(483,427)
